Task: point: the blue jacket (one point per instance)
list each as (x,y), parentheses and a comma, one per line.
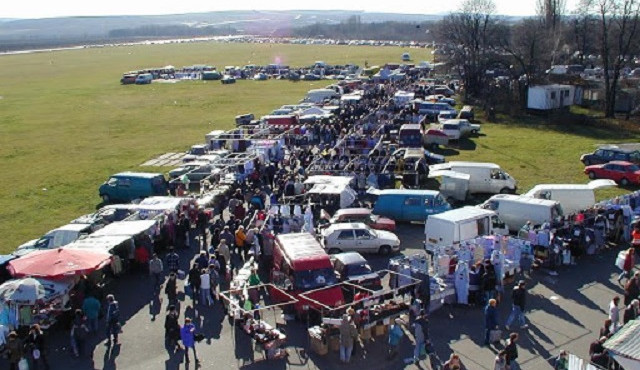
(187,335)
(395,334)
(490,317)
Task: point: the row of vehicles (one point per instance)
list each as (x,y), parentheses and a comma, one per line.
(620,163)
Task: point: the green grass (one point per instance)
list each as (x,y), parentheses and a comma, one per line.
(66,124)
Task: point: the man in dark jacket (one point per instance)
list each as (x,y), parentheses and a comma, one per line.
(172,328)
(34,344)
(490,319)
(631,311)
(519,296)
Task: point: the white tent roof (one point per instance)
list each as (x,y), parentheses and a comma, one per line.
(126,228)
(104,243)
(328,179)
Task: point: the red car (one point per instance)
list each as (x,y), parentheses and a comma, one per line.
(363,215)
(624,173)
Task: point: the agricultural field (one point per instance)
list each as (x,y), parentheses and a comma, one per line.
(66,123)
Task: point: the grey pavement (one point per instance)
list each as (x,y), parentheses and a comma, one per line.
(564,312)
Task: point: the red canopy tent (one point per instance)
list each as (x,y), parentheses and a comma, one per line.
(59,263)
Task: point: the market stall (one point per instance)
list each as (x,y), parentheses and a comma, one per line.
(374,310)
(251,319)
(28,301)
(59,263)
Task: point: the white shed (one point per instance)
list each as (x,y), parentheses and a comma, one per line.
(547,97)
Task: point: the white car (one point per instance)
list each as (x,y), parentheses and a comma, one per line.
(457,128)
(358,237)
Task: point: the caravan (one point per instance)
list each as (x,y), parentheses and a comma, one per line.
(516,210)
(572,197)
(452,227)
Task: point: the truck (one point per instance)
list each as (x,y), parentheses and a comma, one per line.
(455,226)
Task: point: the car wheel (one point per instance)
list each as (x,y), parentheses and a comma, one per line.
(506,191)
(624,182)
(334,251)
(385,250)
(592,175)
(106,199)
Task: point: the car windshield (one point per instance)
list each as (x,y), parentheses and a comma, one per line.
(353,270)
(313,279)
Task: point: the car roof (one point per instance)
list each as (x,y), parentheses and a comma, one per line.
(621,163)
(350,258)
(353,211)
(347,226)
(146,175)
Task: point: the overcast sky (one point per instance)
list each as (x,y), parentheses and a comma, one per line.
(59,8)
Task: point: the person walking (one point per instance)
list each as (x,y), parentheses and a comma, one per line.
(395,336)
(240,239)
(628,265)
(91,307)
(187,336)
(490,320)
(194,282)
(171,288)
(155,270)
(205,287)
(14,350)
(420,335)
(224,257)
(172,328)
(511,351)
(631,311)
(348,334)
(79,331)
(173,260)
(112,319)
(632,289)
(519,297)
(500,363)
(35,346)
(454,363)
(614,314)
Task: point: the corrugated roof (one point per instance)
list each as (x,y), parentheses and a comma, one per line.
(626,342)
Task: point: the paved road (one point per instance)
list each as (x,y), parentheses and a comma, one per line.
(565,313)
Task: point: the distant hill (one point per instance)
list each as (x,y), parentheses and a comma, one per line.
(247,22)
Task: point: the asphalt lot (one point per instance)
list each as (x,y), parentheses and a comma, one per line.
(565,312)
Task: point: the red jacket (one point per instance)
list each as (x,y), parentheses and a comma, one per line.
(629,261)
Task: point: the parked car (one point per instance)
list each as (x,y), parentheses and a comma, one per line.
(365,216)
(58,237)
(144,78)
(128,78)
(358,237)
(228,80)
(624,173)
(352,267)
(260,77)
(127,186)
(441,99)
(608,154)
(434,137)
(185,168)
(311,77)
(466,128)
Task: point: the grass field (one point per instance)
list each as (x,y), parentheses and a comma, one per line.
(66,124)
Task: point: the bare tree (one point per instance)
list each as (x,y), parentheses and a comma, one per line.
(472,32)
(618,23)
(551,12)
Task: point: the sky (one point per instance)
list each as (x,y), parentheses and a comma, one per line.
(61,8)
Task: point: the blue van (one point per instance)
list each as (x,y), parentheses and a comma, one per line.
(127,186)
(409,205)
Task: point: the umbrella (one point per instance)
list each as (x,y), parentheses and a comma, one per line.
(22,291)
(59,263)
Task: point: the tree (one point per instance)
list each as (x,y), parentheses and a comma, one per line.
(551,12)
(472,31)
(618,28)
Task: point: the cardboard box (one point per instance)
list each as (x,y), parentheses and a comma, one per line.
(334,343)
(319,346)
(379,330)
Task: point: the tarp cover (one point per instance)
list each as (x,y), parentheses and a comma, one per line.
(59,263)
(126,228)
(101,243)
(626,343)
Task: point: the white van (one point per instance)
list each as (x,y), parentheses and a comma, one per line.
(572,197)
(487,178)
(516,210)
(457,225)
(320,95)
